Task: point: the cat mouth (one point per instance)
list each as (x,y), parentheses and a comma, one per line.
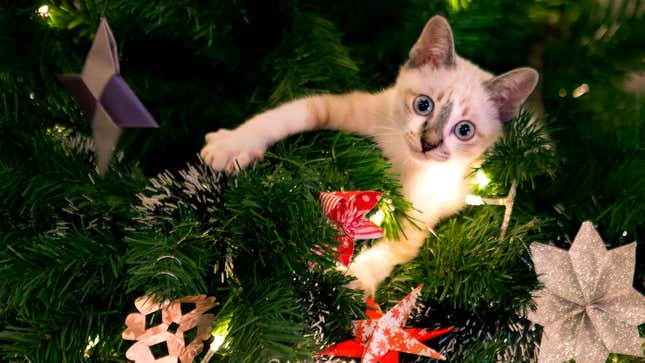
(433,150)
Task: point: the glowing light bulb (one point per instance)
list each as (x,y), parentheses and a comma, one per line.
(219,333)
(482,178)
(218,340)
(474,200)
(91,343)
(580,90)
(378,217)
(43,11)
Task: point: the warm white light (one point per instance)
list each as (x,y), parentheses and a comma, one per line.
(474,200)
(43,11)
(91,343)
(378,217)
(219,334)
(482,178)
(218,340)
(580,90)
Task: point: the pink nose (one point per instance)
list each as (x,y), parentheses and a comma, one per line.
(429,145)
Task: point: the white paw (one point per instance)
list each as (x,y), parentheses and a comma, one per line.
(231,151)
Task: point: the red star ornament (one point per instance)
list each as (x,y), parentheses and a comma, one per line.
(380,338)
(347,211)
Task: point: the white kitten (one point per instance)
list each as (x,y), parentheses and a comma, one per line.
(442,113)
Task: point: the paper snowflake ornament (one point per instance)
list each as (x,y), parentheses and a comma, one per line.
(104,96)
(588,307)
(347,211)
(356,348)
(171,330)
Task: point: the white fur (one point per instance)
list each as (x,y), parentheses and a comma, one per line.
(436,189)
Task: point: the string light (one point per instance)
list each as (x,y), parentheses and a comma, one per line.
(482,181)
(378,217)
(580,90)
(482,178)
(220,332)
(474,200)
(43,11)
(91,343)
(218,340)
(508,201)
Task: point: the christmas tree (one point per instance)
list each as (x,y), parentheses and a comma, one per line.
(78,247)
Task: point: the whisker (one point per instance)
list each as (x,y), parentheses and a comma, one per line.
(390,128)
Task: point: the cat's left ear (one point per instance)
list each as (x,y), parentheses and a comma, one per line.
(509,90)
(435,46)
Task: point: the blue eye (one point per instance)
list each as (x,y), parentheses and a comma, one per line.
(423,105)
(464,130)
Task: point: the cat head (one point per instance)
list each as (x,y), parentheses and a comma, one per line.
(451,109)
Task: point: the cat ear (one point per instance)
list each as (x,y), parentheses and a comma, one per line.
(509,90)
(435,46)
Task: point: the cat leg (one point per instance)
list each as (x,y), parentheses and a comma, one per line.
(357,112)
(375,264)
(232,150)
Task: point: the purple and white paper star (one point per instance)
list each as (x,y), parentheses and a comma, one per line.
(104,96)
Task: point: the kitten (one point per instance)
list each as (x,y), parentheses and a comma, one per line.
(442,113)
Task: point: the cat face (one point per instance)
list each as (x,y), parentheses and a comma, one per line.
(449,109)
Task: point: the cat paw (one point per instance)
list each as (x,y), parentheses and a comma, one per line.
(230,150)
(363,281)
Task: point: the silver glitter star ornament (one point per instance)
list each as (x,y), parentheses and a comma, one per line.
(588,307)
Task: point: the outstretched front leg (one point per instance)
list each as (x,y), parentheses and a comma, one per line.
(357,112)
(373,265)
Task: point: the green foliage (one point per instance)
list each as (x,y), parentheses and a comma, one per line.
(337,161)
(264,324)
(466,263)
(273,219)
(319,61)
(200,231)
(603,156)
(61,243)
(524,153)
(484,351)
(173,247)
(330,306)
(77,249)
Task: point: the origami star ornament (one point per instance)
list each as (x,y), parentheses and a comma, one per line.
(380,338)
(104,96)
(588,307)
(347,211)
